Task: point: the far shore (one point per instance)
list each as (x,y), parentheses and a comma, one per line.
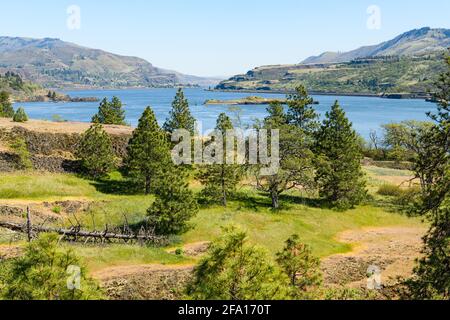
(418,96)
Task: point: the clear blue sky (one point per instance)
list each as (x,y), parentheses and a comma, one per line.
(212,38)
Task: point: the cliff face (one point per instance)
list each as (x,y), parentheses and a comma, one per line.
(53,145)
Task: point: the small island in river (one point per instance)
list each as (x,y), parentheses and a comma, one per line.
(251,100)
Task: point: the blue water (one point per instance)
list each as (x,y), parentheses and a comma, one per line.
(366,113)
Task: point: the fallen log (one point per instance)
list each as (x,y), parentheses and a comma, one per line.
(77,233)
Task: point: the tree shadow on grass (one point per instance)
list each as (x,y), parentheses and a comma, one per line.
(117,187)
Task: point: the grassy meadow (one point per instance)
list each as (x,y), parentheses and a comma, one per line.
(300,214)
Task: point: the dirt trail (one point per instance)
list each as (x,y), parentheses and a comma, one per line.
(116,272)
(392,249)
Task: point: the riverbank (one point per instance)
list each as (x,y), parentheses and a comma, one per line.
(397,96)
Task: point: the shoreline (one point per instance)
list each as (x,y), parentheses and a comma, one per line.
(390,96)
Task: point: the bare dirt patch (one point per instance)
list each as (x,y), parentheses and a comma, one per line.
(61,127)
(392,249)
(144,282)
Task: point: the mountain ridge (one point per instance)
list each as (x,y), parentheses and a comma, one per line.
(55,63)
(408,63)
(414,42)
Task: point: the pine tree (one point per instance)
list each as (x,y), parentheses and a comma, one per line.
(235,270)
(432,274)
(20,115)
(110,112)
(41,273)
(175,204)
(301,112)
(302,268)
(296,158)
(6,108)
(148,152)
(180,115)
(96,152)
(339,174)
(220,180)
(20,148)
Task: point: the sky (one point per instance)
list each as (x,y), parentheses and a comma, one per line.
(220,38)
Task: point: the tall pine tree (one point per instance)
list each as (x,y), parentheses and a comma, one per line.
(432,275)
(110,112)
(6,108)
(220,180)
(148,152)
(180,115)
(339,175)
(301,112)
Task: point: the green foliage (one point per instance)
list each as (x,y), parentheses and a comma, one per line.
(148,152)
(374,76)
(43,273)
(110,112)
(175,205)
(390,190)
(235,270)
(302,268)
(20,148)
(6,108)
(221,180)
(180,115)
(432,275)
(20,115)
(296,158)
(339,175)
(96,152)
(301,112)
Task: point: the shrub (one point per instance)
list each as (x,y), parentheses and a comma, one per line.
(44,273)
(23,162)
(20,115)
(390,190)
(96,152)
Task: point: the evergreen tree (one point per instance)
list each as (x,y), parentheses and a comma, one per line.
(296,158)
(339,175)
(301,112)
(6,108)
(302,268)
(180,115)
(20,148)
(432,275)
(20,115)
(220,180)
(175,204)
(96,152)
(148,151)
(235,270)
(42,274)
(110,112)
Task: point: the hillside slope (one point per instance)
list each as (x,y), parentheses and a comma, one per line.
(407,64)
(55,63)
(411,43)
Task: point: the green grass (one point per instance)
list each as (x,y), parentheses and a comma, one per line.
(316,226)
(99,257)
(44,186)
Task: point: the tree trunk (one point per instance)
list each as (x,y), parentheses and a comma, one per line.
(275,199)
(224,191)
(148,182)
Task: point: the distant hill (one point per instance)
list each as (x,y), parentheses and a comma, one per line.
(409,63)
(412,43)
(58,64)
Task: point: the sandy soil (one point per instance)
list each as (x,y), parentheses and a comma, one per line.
(62,127)
(392,249)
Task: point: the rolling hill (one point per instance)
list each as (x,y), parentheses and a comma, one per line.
(407,64)
(58,64)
